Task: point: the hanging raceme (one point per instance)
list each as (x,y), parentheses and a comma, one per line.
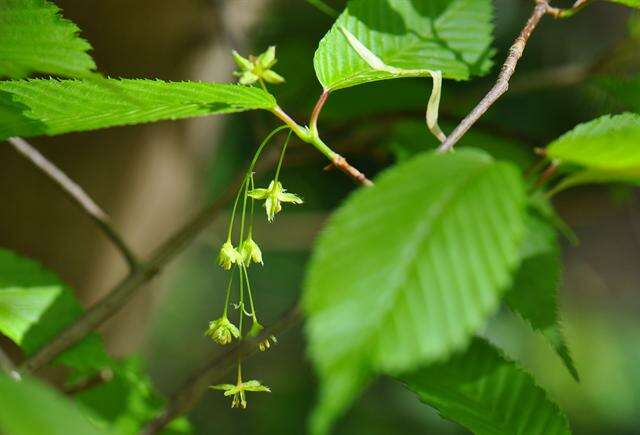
(240,257)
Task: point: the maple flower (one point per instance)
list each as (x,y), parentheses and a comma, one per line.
(250,251)
(228,256)
(238,391)
(222,331)
(257,68)
(274,196)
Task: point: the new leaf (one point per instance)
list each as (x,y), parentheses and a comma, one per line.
(452,36)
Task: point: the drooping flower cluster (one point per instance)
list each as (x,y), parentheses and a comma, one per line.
(237,259)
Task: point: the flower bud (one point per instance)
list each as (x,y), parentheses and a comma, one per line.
(254,68)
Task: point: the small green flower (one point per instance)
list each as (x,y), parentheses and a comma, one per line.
(238,391)
(250,251)
(256,68)
(274,195)
(222,331)
(265,344)
(228,256)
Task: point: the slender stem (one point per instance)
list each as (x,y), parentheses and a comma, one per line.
(282,153)
(249,174)
(192,390)
(240,322)
(253,202)
(233,215)
(253,309)
(570,12)
(77,195)
(502,84)
(309,137)
(264,143)
(545,176)
(239,378)
(226,299)
(300,131)
(315,114)
(244,211)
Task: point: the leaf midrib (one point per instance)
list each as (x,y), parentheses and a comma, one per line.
(449,198)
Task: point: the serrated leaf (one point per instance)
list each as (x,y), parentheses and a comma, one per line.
(488,394)
(534,292)
(452,36)
(407,271)
(35,38)
(29,407)
(35,305)
(50,107)
(606,149)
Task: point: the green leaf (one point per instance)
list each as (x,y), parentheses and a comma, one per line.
(35,38)
(29,407)
(452,36)
(50,107)
(488,394)
(534,292)
(605,149)
(35,306)
(630,3)
(406,272)
(624,90)
(128,401)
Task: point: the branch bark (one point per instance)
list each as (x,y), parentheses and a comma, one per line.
(192,390)
(569,12)
(7,366)
(502,84)
(77,195)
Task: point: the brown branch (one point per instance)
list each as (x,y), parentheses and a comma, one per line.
(344,166)
(502,84)
(315,114)
(126,289)
(102,377)
(193,389)
(7,366)
(76,194)
(570,12)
